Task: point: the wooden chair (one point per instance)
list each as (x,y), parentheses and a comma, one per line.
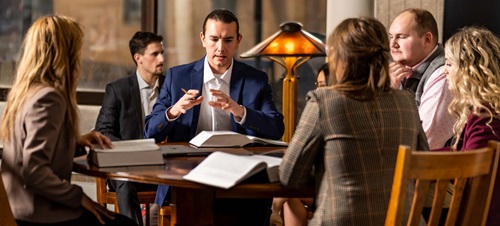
(6,216)
(107,197)
(167,216)
(473,173)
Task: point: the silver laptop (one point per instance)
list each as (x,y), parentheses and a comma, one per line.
(183,150)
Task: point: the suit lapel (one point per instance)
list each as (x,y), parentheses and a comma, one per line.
(136,101)
(197,75)
(196,83)
(237,77)
(161,79)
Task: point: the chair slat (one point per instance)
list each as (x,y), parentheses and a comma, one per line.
(456,200)
(421,189)
(441,190)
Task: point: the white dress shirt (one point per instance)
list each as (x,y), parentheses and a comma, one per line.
(214,119)
(149,95)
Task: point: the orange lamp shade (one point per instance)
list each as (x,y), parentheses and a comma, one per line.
(291,40)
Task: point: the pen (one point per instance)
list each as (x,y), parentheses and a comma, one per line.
(186,92)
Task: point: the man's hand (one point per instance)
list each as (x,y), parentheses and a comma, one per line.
(398,72)
(186,102)
(224,102)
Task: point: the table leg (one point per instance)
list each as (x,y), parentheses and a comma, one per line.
(193,206)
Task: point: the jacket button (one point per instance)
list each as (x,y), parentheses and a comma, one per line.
(159,127)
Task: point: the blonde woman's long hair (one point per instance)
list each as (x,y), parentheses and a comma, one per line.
(49,57)
(475,82)
(359,57)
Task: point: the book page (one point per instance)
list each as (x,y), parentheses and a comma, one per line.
(273,164)
(260,140)
(225,170)
(219,139)
(130,145)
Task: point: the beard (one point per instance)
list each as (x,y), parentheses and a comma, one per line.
(158,72)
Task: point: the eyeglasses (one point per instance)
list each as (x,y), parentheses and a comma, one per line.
(320,84)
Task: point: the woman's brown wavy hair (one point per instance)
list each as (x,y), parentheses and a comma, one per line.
(358,52)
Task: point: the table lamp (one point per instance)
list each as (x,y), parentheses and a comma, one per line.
(290,47)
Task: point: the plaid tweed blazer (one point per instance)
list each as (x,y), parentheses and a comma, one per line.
(349,147)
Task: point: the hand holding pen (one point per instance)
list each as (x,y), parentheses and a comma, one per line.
(186,92)
(186,102)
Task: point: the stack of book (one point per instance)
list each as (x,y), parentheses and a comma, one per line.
(127,153)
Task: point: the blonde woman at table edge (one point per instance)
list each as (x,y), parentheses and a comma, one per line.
(473,71)
(40,131)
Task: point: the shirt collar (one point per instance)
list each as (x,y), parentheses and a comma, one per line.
(143,84)
(427,57)
(209,75)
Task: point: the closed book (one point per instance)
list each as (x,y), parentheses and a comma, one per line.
(224,170)
(128,153)
(230,139)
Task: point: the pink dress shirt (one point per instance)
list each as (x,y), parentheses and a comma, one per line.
(433,109)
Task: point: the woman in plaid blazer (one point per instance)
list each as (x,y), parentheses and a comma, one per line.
(348,136)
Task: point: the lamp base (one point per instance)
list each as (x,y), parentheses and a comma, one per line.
(289,92)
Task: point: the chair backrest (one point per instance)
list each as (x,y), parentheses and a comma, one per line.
(109,197)
(473,175)
(6,216)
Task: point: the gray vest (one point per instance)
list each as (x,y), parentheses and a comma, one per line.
(415,84)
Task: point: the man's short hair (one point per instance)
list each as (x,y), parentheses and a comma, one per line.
(223,15)
(140,41)
(425,22)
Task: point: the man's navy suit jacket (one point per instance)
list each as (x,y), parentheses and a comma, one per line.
(249,87)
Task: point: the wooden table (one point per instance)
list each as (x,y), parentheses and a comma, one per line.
(189,197)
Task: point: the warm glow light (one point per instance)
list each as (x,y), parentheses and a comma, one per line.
(274,45)
(291,40)
(289,46)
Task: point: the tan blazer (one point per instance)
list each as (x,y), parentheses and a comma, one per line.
(37,164)
(352,146)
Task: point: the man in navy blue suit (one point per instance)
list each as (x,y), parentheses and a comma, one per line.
(215,93)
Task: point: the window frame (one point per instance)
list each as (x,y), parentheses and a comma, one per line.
(149,22)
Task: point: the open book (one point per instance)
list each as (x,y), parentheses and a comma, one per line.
(230,139)
(225,170)
(127,153)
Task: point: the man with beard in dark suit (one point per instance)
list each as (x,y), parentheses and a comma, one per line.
(126,103)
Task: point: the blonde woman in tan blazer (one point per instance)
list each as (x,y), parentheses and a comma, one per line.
(348,135)
(40,131)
